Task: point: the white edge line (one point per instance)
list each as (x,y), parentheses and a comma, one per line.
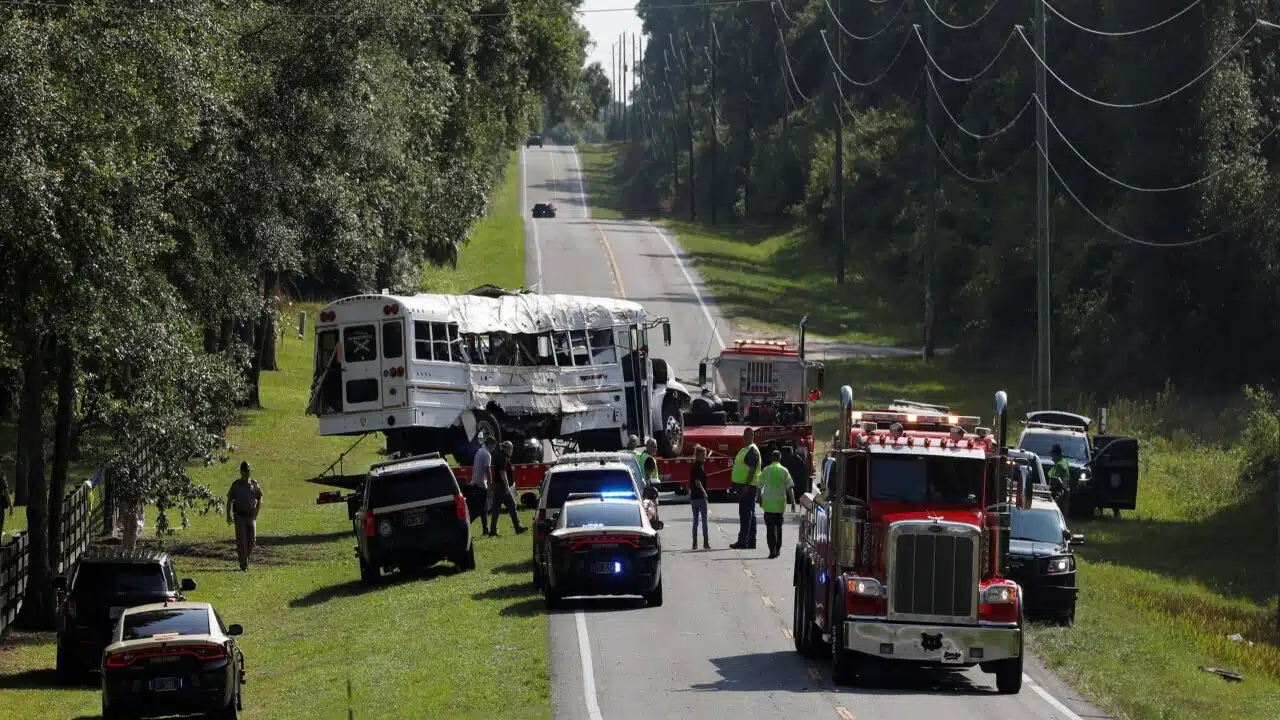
(689,278)
(524,204)
(1053,701)
(582,188)
(588,674)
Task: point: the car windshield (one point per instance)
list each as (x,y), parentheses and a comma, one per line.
(594,480)
(408,487)
(604,514)
(927,479)
(119,578)
(185,621)
(1074,447)
(1037,525)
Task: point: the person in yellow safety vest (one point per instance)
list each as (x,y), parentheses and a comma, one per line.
(746,464)
(1059,477)
(648,458)
(775,490)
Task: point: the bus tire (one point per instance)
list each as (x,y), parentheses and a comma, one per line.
(671,436)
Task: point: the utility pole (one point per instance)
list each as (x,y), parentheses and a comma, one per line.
(613,87)
(931,231)
(712,54)
(1044,397)
(688,109)
(675,149)
(635,85)
(839,165)
(622,48)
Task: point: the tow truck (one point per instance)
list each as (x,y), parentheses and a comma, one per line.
(904,550)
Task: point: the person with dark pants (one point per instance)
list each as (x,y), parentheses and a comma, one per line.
(799,471)
(698,496)
(6,503)
(481,481)
(502,491)
(745,466)
(775,487)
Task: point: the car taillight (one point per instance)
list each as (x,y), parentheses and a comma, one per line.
(646,541)
(369,529)
(460,504)
(210,652)
(120,659)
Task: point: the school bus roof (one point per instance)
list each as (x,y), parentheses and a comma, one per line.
(512,313)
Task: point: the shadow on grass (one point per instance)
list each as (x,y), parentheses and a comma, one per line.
(14,638)
(515,568)
(357,587)
(37,679)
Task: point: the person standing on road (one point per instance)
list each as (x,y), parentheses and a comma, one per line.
(6,503)
(698,496)
(799,473)
(775,487)
(481,481)
(745,466)
(502,489)
(244,500)
(649,462)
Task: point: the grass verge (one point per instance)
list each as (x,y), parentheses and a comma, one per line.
(494,252)
(441,644)
(1162,588)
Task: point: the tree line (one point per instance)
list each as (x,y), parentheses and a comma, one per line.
(170,169)
(1181,286)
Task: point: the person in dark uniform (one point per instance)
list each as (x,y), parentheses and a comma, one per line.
(244,500)
(503,488)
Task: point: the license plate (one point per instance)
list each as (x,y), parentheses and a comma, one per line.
(116,612)
(165,684)
(952,657)
(414,518)
(604,568)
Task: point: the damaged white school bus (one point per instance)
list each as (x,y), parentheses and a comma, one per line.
(431,371)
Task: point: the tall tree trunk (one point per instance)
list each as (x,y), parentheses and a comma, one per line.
(37,608)
(255,365)
(269,321)
(211,338)
(61,445)
(30,414)
(228,333)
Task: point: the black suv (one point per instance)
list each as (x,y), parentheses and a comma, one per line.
(103,583)
(411,514)
(1042,558)
(533,140)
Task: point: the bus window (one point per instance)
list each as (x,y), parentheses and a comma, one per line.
(602,348)
(360,343)
(421,340)
(439,342)
(477,348)
(564,357)
(544,349)
(578,341)
(457,351)
(327,342)
(392,339)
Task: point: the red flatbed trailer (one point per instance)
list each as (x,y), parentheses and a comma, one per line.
(672,473)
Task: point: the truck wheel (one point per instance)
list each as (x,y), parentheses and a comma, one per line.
(1009,676)
(369,574)
(800,612)
(844,665)
(671,437)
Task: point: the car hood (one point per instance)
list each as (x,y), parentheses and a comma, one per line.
(1031,548)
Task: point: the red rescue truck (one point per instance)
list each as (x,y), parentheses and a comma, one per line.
(903,552)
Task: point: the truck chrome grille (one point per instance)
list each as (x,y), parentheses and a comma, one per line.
(933,574)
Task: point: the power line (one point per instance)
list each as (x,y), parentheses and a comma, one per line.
(1147,243)
(1127,106)
(365,13)
(1126,33)
(944,23)
(955,78)
(1136,188)
(901,6)
(977,136)
(997,177)
(861,83)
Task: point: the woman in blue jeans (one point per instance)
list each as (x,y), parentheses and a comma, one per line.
(698,496)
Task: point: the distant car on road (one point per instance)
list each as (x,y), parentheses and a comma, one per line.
(544,210)
(533,140)
(611,473)
(411,514)
(102,584)
(601,545)
(172,658)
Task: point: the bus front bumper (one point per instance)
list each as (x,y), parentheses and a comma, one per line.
(959,645)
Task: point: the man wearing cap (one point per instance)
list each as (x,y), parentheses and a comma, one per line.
(1059,476)
(244,500)
(746,465)
(502,489)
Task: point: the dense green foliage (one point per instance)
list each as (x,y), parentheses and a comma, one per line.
(1201,314)
(169,170)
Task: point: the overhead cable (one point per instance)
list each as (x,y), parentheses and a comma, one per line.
(780,7)
(1126,33)
(786,58)
(981,17)
(999,175)
(956,78)
(1128,186)
(901,6)
(1127,106)
(1139,241)
(864,83)
(977,136)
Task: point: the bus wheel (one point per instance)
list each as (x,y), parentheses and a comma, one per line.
(671,437)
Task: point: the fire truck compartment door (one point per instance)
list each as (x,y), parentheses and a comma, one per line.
(945,644)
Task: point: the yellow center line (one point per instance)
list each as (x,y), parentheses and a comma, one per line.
(767,602)
(844,714)
(787,633)
(748,572)
(613,263)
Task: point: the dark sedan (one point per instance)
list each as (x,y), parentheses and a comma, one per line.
(602,546)
(171,659)
(1041,560)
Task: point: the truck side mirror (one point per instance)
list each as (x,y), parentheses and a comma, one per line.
(1077,539)
(657,524)
(702,373)
(666,333)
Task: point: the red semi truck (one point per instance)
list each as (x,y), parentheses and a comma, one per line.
(903,552)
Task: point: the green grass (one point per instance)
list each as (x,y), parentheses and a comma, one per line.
(494,253)
(604,199)
(444,644)
(1161,589)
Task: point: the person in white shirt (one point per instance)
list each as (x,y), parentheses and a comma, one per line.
(481,481)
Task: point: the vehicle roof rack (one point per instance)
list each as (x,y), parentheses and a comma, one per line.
(1053,426)
(904,404)
(401,461)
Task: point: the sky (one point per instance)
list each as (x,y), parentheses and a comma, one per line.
(605,27)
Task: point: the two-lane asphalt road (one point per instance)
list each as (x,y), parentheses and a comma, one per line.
(720,646)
